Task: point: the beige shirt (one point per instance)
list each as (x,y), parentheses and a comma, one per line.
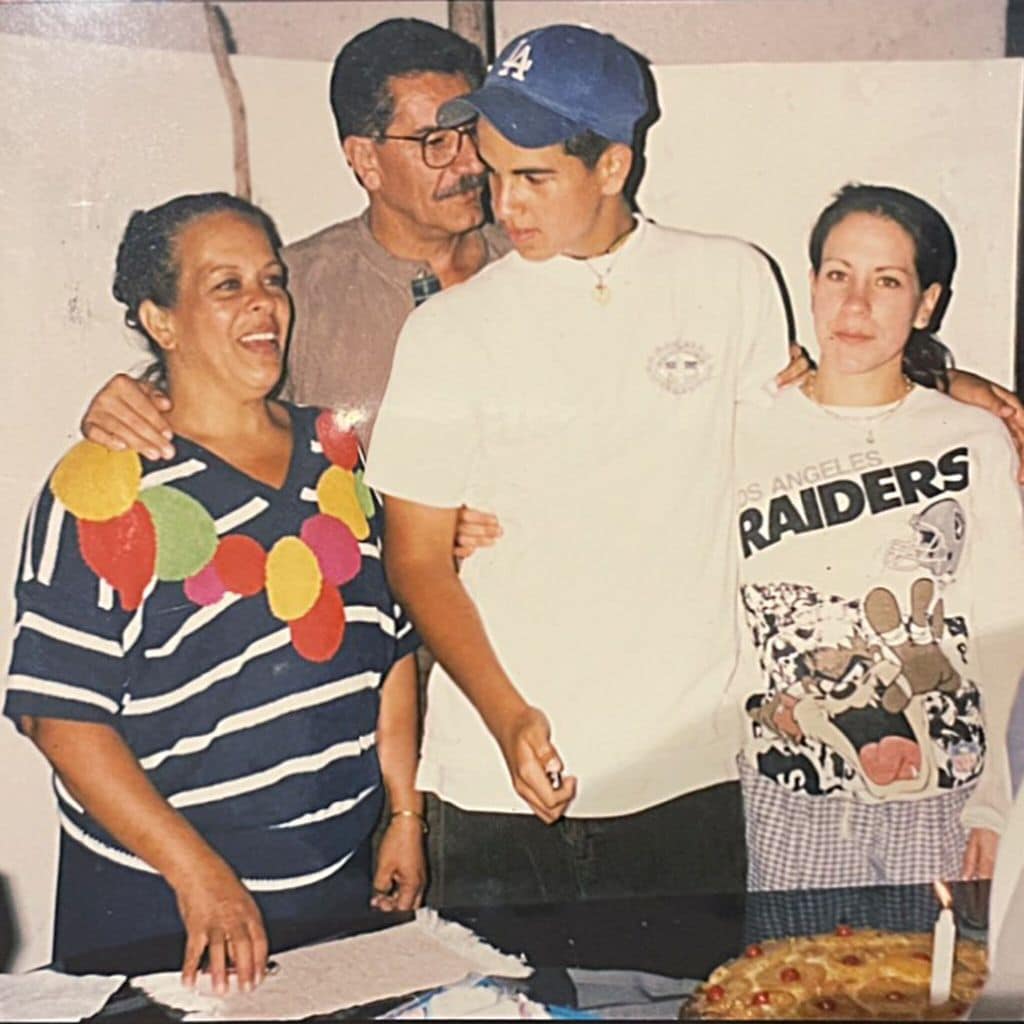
(351,299)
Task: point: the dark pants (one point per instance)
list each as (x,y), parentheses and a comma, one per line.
(691,844)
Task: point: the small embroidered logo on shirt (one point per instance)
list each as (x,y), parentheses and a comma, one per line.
(679,367)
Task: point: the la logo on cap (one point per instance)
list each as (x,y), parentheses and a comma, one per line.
(517,63)
(549,84)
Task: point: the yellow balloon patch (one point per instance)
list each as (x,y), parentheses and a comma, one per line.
(293,579)
(337,496)
(95,484)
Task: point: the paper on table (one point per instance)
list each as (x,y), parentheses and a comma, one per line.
(471,999)
(49,995)
(423,953)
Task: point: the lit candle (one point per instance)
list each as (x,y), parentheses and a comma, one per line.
(943,946)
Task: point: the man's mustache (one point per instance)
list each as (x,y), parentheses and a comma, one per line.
(467,183)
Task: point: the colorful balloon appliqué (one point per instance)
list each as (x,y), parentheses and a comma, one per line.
(129,536)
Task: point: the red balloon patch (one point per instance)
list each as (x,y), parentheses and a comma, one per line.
(121,551)
(318,634)
(340,444)
(241,562)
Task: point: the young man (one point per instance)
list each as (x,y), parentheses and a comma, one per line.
(354,283)
(582,389)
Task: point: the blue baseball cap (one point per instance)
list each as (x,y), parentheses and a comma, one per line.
(554,82)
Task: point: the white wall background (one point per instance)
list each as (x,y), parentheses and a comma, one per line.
(756,150)
(720,31)
(667,31)
(93,131)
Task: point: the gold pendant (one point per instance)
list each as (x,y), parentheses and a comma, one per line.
(602,293)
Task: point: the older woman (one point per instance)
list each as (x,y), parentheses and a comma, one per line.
(207,651)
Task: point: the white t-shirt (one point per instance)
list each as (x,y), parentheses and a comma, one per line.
(882,582)
(601,436)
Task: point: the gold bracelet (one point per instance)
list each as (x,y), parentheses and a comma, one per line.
(411,814)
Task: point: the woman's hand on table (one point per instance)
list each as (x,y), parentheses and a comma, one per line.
(401,874)
(221,919)
(217,911)
(129,414)
(980,854)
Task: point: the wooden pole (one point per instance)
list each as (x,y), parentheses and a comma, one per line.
(216,29)
(473,20)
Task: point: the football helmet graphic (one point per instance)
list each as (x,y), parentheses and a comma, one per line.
(939,533)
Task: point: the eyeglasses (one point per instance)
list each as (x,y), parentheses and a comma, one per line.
(438,147)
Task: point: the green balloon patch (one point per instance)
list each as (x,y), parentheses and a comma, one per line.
(186,537)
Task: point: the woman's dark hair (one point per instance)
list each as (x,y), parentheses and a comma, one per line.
(147,259)
(925,359)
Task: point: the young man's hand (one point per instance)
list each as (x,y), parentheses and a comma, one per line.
(799,365)
(475,529)
(975,390)
(129,414)
(535,765)
(980,854)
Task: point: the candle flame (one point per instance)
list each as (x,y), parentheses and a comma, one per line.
(943,895)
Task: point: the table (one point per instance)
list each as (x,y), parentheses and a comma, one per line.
(685,935)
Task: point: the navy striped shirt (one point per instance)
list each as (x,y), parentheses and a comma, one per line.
(271,756)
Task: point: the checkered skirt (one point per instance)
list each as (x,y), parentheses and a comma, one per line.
(796,841)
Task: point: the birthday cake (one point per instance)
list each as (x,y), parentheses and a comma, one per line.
(847,975)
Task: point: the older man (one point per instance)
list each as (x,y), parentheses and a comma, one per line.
(354,283)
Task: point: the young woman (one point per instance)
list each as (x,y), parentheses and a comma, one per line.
(207,650)
(882,579)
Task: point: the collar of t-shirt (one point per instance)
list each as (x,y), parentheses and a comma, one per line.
(602,265)
(416,274)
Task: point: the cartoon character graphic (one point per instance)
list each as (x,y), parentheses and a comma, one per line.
(855,684)
(965,759)
(915,645)
(940,531)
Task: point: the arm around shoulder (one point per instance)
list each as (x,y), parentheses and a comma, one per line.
(974,389)
(129,414)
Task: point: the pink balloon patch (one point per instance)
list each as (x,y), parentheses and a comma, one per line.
(206,586)
(336,549)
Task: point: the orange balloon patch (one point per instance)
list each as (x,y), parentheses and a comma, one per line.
(241,564)
(293,579)
(336,495)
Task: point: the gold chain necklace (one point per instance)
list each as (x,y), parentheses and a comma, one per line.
(870,421)
(602,293)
